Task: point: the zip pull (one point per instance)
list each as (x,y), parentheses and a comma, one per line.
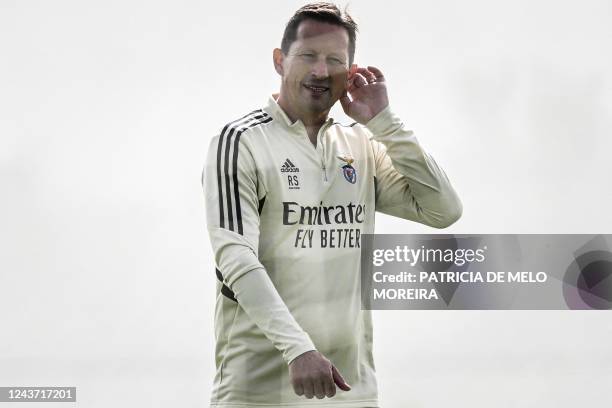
(320,138)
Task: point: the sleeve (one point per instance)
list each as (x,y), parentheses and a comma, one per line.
(232,211)
(409,183)
(258,297)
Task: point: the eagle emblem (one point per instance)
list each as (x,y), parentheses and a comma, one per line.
(349,172)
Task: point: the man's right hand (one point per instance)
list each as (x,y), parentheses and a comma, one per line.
(312,374)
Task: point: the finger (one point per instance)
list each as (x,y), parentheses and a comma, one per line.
(351,86)
(319,389)
(369,76)
(359,80)
(308,389)
(352,70)
(339,380)
(345,101)
(330,387)
(298,388)
(377,73)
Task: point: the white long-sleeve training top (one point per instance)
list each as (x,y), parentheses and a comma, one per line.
(288,218)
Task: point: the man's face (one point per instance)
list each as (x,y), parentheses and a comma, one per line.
(316,67)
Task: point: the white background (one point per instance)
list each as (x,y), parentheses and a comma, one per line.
(106,110)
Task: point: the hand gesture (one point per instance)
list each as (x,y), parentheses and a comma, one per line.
(368,91)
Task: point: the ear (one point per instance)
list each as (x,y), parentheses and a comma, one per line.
(278,58)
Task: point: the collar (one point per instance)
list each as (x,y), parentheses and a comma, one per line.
(274,109)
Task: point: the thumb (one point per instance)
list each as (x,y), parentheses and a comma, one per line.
(339,380)
(345,102)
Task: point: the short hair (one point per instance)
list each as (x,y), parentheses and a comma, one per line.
(323,12)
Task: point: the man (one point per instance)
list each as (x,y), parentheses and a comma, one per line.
(289,193)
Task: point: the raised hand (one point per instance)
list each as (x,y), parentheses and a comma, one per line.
(368,93)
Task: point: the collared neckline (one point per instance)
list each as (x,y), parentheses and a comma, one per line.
(279,114)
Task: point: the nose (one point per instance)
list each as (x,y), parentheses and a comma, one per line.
(320,69)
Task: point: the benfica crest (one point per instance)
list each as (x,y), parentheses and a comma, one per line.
(350,174)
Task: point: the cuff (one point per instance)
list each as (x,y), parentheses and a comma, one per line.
(385,122)
(299,350)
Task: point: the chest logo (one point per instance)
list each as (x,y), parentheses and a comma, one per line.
(349,172)
(293,181)
(289,167)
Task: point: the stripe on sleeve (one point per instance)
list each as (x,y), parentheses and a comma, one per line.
(227,160)
(228,146)
(219,161)
(235,172)
(225,290)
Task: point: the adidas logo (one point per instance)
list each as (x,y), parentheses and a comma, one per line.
(289,167)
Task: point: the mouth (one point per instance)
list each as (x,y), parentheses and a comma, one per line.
(316,90)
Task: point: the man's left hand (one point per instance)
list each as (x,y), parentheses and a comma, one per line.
(368,91)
